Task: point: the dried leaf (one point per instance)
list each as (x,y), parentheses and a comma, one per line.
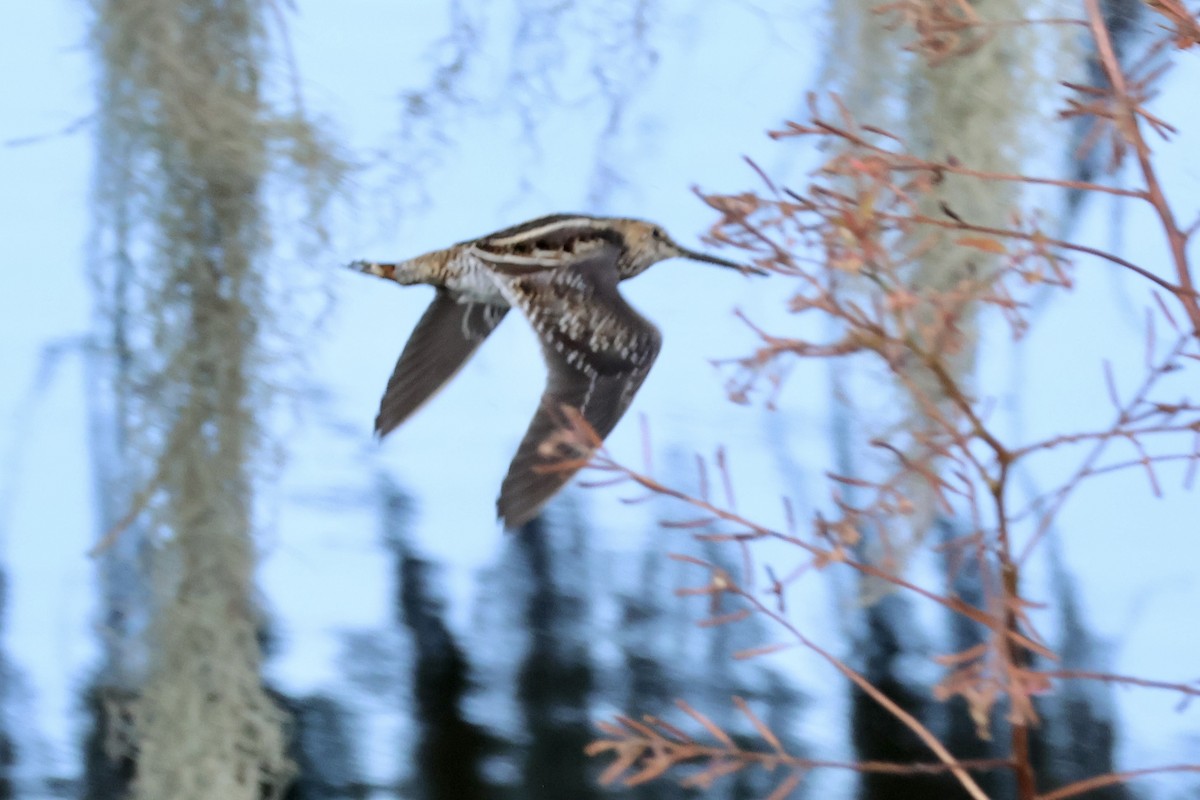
(626,758)
(983,243)
(763,731)
(724,619)
(708,724)
(787,787)
(755,652)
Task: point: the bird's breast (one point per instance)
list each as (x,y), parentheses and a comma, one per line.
(472,282)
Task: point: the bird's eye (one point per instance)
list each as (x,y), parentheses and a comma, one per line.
(657,233)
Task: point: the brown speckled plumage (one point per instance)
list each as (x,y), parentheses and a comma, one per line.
(562,273)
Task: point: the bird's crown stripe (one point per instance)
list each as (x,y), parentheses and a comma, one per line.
(569,225)
(548,260)
(534,223)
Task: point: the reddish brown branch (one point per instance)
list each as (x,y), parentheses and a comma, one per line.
(1112,779)
(850,244)
(1176,239)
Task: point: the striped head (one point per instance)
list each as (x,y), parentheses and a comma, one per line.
(646,244)
(549,240)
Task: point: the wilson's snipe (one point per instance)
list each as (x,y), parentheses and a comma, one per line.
(562,272)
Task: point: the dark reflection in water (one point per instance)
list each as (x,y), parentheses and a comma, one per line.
(563,634)
(449,749)
(556,678)
(324,751)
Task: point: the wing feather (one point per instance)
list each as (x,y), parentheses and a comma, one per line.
(598,351)
(448,333)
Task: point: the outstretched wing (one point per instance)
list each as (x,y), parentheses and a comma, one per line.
(598,350)
(448,333)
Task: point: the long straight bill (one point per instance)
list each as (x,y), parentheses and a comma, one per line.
(720,262)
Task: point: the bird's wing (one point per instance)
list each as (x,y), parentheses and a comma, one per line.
(598,351)
(448,333)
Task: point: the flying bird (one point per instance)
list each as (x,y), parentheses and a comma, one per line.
(561,272)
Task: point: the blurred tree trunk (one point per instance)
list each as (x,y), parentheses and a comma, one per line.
(184,139)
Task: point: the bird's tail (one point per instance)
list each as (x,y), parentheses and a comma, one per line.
(402,272)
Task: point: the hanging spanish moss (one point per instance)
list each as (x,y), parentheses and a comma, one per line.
(957,83)
(187,140)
